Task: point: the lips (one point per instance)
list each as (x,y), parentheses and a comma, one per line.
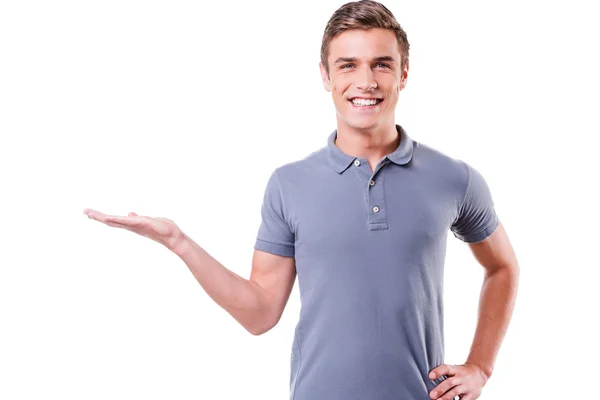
(374,105)
(365,98)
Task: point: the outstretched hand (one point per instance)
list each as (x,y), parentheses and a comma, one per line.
(161,230)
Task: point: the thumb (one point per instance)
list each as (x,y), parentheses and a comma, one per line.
(132,214)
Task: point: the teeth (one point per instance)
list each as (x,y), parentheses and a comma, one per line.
(362,102)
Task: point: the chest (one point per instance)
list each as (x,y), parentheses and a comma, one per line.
(394,208)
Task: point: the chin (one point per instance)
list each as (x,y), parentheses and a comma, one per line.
(363,123)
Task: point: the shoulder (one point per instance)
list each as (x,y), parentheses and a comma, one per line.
(302,170)
(440,164)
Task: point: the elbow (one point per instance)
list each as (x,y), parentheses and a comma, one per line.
(515,271)
(260,326)
(508,274)
(264,318)
(259,329)
(257,332)
(510,269)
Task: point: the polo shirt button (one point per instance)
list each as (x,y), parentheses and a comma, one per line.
(376,209)
(357,163)
(372,182)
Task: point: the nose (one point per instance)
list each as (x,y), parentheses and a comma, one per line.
(366,80)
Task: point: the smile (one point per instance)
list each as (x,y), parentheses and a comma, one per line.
(366,106)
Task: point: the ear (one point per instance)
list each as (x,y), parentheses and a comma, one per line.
(403,77)
(325,77)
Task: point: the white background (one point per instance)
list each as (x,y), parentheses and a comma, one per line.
(182,110)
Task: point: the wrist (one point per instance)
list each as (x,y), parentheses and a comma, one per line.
(485,370)
(179,244)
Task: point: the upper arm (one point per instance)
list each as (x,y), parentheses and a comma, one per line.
(273,262)
(476,218)
(478,225)
(275,274)
(495,251)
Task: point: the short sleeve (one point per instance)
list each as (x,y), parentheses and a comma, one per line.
(274,234)
(476,218)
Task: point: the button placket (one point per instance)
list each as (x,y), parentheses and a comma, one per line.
(374,194)
(376,206)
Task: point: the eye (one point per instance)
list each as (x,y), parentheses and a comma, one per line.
(379,63)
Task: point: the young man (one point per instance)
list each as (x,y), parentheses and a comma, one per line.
(363,223)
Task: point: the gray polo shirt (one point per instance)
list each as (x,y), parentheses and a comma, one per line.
(369,248)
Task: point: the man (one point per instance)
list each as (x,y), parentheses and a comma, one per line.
(363,222)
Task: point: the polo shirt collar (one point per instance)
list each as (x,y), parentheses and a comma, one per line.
(339,160)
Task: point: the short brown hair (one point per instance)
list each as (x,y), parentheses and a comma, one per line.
(365,15)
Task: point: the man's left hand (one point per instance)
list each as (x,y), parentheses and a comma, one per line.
(466,381)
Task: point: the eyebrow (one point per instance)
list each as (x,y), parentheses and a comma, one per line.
(354,59)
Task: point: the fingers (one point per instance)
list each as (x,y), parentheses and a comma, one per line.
(443,369)
(127,221)
(105,221)
(443,387)
(132,220)
(93,214)
(452,394)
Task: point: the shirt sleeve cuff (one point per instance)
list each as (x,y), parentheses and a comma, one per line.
(481,235)
(274,248)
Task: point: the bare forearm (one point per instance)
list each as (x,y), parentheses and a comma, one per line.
(241,298)
(496,305)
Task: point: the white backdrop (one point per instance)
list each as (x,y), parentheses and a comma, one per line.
(182,110)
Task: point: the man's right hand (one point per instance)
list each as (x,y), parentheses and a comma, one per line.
(256,303)
(161,230)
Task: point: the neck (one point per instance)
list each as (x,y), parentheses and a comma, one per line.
(371,143)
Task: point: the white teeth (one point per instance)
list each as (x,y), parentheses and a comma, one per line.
(362,102)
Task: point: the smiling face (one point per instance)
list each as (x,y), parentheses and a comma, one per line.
(359,60)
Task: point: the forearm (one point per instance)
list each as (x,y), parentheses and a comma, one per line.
(496,305)
(241,298)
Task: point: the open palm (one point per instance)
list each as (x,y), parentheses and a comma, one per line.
(161,230)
